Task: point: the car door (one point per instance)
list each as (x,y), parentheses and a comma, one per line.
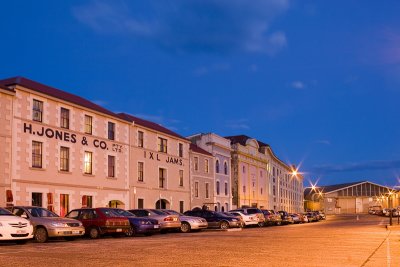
(210,218)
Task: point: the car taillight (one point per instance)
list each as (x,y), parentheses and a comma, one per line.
(168,219)
(108,223)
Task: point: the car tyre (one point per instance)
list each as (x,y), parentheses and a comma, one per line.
(41,235)
(224,225)
(131,232)
(94,233)
(185,227)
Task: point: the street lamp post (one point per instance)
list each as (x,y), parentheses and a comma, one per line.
(390,209)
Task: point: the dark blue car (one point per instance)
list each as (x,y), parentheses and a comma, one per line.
(139,225)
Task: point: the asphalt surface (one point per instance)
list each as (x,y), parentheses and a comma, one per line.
(338,241)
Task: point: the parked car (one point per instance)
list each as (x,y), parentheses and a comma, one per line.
(241,223)
(272,217)
(189,223)
(320,214)
(146,226)
(394,212)
(248,220)
(296,218)
(215,219)
(374,209)
(14,228)
(286,218)
(167,222)
(100,221)
(47,224)
(253,211)
(303,217)
(311,216)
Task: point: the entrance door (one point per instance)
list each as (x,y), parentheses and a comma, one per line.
(359,205)
(162,204)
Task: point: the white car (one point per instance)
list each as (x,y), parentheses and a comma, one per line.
(14,228)
(248,219)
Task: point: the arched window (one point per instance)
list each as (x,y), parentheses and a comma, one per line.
(217,166)
(217,186)
(226,168)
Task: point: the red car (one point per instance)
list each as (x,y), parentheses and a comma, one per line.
(100,221)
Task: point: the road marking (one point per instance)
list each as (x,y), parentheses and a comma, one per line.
(373,253)
(388,252)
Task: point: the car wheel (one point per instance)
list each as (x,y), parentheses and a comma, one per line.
(185,227)
(131,232)
(94,233)
(22,241)
(41,235)
(224,225)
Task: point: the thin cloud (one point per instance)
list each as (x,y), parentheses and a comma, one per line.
(324,142)
(208,26)
(240,124)
(298,85)
(359,166)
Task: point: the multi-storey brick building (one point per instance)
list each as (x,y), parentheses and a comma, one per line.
(220,148)
(260,179)
(66,151)
(159,166)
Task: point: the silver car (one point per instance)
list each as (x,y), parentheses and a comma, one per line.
(189,223)
(48,224)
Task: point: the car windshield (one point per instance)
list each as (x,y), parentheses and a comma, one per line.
(219,214)
(159,212)
(5,212)
(41,212)
(125,213)
(253,211)
(110,213)
(172,212)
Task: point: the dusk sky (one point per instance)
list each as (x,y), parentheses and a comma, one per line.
(319,81)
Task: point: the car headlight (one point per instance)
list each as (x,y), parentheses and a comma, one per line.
(58,224)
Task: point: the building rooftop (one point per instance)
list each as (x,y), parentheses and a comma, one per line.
(242,139)
(56,93)
(197,149)
(149,124)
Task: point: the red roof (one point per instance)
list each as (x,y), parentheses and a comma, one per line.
(6,88)
(150,125)
(51,91)
(199,150)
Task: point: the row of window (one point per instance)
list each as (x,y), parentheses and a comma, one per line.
(207,166)
(37,115)
(37,159)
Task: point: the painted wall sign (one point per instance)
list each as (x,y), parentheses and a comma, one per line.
(169,159)
(70,137)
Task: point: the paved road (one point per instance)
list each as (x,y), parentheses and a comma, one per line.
(338,241)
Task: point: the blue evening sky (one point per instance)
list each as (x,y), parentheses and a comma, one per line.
(317,80)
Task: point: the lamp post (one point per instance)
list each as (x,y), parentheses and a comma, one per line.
(390,208)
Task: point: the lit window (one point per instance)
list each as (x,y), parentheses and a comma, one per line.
(111,130)
(36,154)
(111,166)
(64,123)
(37,110)
(88,162)
(140,171)
(88,124)
(64,159)
(162,145)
